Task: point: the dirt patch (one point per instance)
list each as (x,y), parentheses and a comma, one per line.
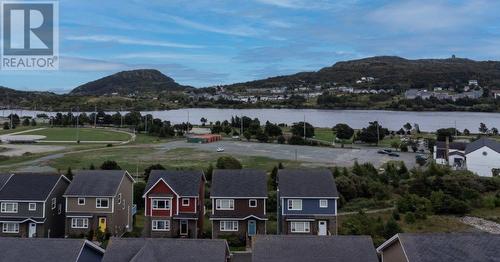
(19,150)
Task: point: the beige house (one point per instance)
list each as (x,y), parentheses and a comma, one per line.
(99,200)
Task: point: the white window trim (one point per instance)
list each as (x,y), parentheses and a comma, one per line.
(74,222)
(218,204)
(154,225)
(5,228)
(168,204)
(30,207)
(78,201)
(324,201)
(305,224)
(223,224)
(188,202)
(54,203)
(98,202)
(250,202)
(3,208)
(290,204)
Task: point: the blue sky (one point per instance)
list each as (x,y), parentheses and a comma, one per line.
(210,42)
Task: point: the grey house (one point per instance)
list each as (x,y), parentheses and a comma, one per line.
(238,203)
(300,248)
(31,205)
(307,202)
(45,249)
(166,249)
(441,247)
(99,200)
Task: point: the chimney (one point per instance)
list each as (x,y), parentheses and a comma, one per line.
(447,150)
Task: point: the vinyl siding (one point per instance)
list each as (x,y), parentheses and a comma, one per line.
(310,207)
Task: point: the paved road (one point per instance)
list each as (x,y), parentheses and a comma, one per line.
(325,155)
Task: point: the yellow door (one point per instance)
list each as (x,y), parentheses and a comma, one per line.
(102,224)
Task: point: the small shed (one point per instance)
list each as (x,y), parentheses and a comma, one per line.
(203,139)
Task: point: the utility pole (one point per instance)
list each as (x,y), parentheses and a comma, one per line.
(187,126)
(241,124)
(95,116)
(78,125)
(304,127)
(146,123)
(378,134)
(121,117)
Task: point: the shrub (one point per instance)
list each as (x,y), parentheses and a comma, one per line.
(228,162)
(391,228)
(410,218)
(281,139)
(233,240)
(395,215)
(296,140)
(110,165)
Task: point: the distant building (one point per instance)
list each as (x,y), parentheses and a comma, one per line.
(483,157)
(473,83)
(452,154)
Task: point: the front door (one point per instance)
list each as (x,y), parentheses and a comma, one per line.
(32,230)
(322,228)
(184,227)
(102,224)
(252,227)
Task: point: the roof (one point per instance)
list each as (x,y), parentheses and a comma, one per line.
(3,179)
(168,249)
(306,183)
(183,182)
(44,249)
(448,247)
(239,183)
(289,248)
(96,183)
(29,186)
(483,141)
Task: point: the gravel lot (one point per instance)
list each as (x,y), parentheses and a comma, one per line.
(20,149)
(327,156)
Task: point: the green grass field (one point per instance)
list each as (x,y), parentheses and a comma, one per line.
(17,129)
(85,134)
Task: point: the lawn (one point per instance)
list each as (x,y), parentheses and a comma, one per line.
(17,129)
(85,134)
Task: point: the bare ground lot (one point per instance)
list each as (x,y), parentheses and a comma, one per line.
(21,149)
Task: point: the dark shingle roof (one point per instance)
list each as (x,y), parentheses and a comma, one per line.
(306,183)
(451,247)
(239,183)
(29,186)
(483,141)
(3,179)
(183,182)
(95,183)
(42,249)
(288,248)
(179,250)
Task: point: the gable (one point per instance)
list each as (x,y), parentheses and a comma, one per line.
(160,187)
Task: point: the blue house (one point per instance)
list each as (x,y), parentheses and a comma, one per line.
(307,202)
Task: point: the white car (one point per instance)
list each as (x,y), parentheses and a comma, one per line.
(220,149)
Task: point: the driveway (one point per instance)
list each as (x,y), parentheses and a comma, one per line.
(325,155)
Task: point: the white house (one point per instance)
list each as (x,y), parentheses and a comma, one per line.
(483,156)
(453,154)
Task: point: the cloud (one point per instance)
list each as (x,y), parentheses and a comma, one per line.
(241,30)
(68,63)
(173,56)
(307,4)
(130,41)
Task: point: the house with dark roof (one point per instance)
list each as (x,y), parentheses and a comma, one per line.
(239,203)
(31,204)
(300,248)
(441,247)
(99,200)
(166,249)
(483,157)
(49,249)
(174,203)
(452,154)
(307,202)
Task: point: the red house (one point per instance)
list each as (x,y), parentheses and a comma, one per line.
(174,204)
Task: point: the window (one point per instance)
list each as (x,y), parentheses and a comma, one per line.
(79,222)
(119,198)
(224,204)
(10,228)
(228,225)
(299,227)
(102,203)
(294,204)
(59,209)
(9,208)
(252,203)
(185,202)
(323,203)
(161,204)
(81,201)
(32,207)
(54,203)
(161,225)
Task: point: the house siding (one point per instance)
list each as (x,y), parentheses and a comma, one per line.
(393,253)
(242,209)
(242,232)
(314,226)
(23,211)
(310,207)
(483,164)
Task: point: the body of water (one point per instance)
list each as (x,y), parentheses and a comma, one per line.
(394,120)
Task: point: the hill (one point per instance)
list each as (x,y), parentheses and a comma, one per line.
(391,71)
(143,81)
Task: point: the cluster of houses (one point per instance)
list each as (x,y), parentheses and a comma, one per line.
(51,216)
(471,91)
(480,156)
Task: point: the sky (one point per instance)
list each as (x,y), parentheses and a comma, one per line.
(211,42)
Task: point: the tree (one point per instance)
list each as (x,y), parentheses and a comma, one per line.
(6,126)
(203,121)
(272,130)
(33,122)
(227,130)
(494,131)
(466,132)
(26,122)
(262,137)
(209,172)
(442,133)
(148,170)
(343,132)
(69,174)
(298,129)
(391,228)
(92,167)
(483,129)
(228,162)
(138,191)
(395,144)
(407,126)
(247,135)
(110,165)
(369,134)
(273,184)
(281,140)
